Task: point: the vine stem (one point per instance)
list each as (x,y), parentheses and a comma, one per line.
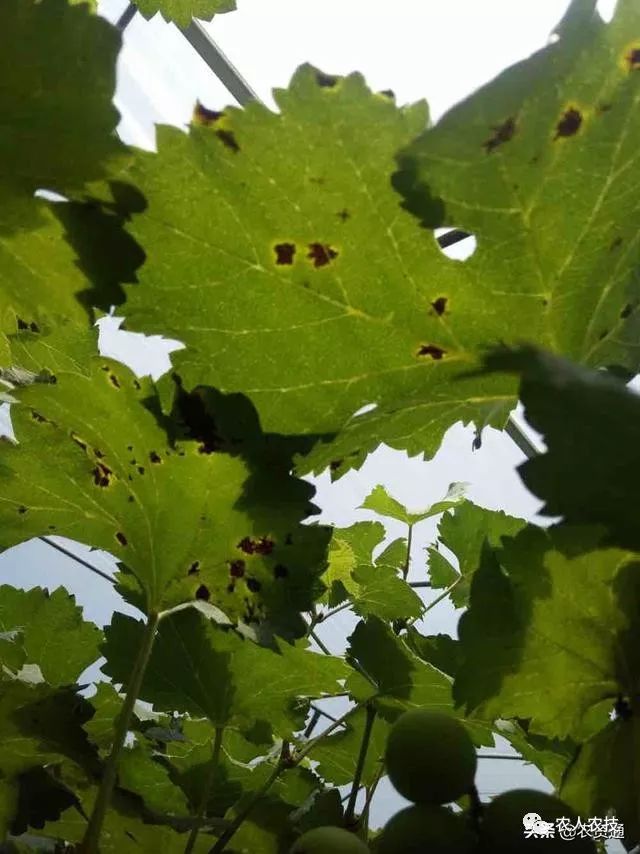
(285,761)
(362,756)
(89,844)
(407,563)
(215,758)
(436,601)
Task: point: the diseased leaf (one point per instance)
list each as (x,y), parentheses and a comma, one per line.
(53,633)
(199,668)
(547,636)
(463,532)
(591,469)
(182,11)
(556,261)
(188,520)
(305,259)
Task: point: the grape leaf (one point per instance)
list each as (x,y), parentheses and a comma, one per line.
(182,11)
(550,756)
(546,636)
(394,555)
(107,705)
(337,754)
(58,119)
(591,470)
(311,276)
(400,680)
(349,547)
(557,255)
(8,805)
(40,725)
(139,773)
(209,672)
(306,259)
(604,776)
(54,635)
(384,504)
(186,520)
(463,532)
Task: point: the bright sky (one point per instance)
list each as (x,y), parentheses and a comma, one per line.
(418,48)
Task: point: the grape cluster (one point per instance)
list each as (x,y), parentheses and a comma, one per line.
(431,761)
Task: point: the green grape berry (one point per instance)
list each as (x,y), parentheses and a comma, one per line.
(430,758)
(427,829)
(329,840)
(502,830)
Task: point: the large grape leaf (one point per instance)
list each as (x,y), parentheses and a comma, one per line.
(53,633)
(185,518)
(463,532)
(182,11)
(337,754)
(548,634)
(557,256)
(591,469)
(200,668)
(57,117)
(316,295)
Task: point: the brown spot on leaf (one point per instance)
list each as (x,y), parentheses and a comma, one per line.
(603,108)
(334,465)
(288,540)
(203,593)
(254,585)
(388,93)
(120,537)
(626,311)
(603,334)
(39,418)
(131,499)
(204,116)
(633,59)
(321,254)
(327,81)
(280,571)
(262,546)
(431,350)
(137,385)
(22,510)
(81,443)
(194,568)
(231,588)
(129,447)
(113,379)
(22,324)
(228,139)
(284,253)
(33,326)
(140,469)
(501,133)
(102,475)
(439,305)
(569,123)
(155,457)
(344,215)
(615,244)
(98,453)
(236,568)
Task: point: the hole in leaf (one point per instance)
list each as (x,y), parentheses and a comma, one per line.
(501,133)
(236,568)
(321,254)
(431,350)
(120,537)
(203,593)
(254,585)
(388,93)
(569,124)
(284,253)
(439,305)
(455,243)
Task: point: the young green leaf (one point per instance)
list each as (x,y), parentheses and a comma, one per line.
(182,11)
